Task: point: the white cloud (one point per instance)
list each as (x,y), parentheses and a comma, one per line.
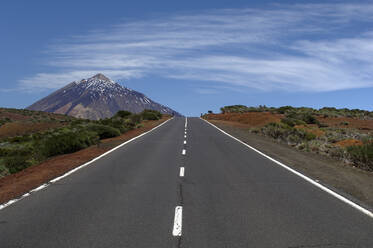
(309,47)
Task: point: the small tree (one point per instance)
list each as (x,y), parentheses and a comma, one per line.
(210,111)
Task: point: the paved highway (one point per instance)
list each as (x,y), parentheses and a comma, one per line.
(183,186)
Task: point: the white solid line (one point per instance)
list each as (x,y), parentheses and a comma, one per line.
(313,182)
(39,188)
(178,221)
(183,152)
(182,171)
(10,202)
(184,142)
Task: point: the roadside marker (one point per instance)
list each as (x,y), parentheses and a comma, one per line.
(178,221)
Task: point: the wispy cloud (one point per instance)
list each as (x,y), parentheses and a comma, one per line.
(309,47)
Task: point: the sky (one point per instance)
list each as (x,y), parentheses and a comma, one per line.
(192,56)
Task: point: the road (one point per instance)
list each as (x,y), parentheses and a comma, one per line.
(226,195)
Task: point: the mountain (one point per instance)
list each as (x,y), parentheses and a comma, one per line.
(96,98)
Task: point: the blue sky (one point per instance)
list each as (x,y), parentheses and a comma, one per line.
(193,56)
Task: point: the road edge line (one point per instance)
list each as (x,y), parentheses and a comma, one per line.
(308,179)
(44,185)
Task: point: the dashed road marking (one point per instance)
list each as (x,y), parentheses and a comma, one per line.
(183,152)
(182,171)
(178,221)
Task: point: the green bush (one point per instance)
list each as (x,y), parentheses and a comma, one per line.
(234,109)
(309,119)
(128,123)
(19,139)
(284,109)
(326,112)
(16,163)
(361,156)
(68,142)
(4,152)
(17,158)
(136,118)
(276,130)
(292,122)
(149,114)
(16,150)
(103,131)
(243,109)
(115,122)
(309,136)
(4,171)
(123,114)
(302,116)
(321,125)
(287,133)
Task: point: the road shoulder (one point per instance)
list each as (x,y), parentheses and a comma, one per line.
(351,182)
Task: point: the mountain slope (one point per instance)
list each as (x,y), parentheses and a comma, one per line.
(96,98)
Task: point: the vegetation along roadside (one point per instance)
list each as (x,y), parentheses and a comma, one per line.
(56,135)
(343,134)
(329,145)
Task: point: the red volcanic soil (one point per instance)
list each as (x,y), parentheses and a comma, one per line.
(249,119)
(349,142)
(259,119)
(351,122)
(20,122)
(20,128)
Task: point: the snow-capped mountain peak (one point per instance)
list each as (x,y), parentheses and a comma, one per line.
(95,98)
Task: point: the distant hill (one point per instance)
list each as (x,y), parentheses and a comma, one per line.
(96,98)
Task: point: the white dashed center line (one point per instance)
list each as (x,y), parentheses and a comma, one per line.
(179,209)
(182,171)
(178,221)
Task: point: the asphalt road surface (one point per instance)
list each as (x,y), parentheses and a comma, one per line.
(201,189)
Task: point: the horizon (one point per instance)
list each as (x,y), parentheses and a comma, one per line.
(309,54)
